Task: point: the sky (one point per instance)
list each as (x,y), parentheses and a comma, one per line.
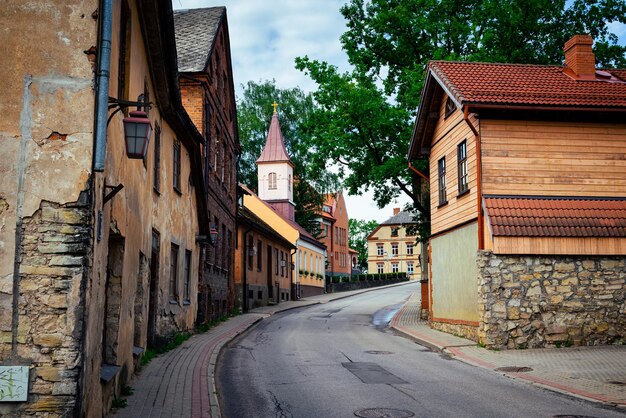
(266,37)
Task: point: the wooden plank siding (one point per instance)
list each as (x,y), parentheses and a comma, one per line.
(448,133)
(553,158)
(559,245)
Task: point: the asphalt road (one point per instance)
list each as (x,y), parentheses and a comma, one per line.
(340,360)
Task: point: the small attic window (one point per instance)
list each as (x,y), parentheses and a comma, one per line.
(450,107)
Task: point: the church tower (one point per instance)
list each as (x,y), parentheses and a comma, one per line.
(275,172)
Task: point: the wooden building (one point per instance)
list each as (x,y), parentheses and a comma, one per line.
(206,82)
(528,199)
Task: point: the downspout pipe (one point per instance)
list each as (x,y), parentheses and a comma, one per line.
(479,198)
(103,75)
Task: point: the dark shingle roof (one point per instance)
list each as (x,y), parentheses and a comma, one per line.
(195,34)
(556,217)
(402,218)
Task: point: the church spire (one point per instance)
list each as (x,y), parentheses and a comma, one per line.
(274,150)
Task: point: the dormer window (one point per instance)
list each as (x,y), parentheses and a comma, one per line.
(450,107)
(271,181)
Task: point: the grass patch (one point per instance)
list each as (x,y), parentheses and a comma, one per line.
(127,390)
(119,403)
(174,342)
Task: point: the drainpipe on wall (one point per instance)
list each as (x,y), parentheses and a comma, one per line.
(481,237)
(102,84)
(295,272)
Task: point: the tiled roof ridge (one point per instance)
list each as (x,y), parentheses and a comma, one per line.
(505,64)
(540,197)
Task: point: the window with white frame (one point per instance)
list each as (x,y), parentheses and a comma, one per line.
(379,249)
(394,267)
(409,249)
(409,267)
(379,268)
(394,248)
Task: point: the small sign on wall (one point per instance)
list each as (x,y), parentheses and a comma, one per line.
(13,383)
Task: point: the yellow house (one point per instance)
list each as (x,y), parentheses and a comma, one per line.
(390,249)
(307,263)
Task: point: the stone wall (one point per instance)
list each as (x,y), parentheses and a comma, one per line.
(53,255)
(544,301)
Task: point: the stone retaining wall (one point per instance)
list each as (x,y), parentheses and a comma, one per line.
(542,301)
(53,257)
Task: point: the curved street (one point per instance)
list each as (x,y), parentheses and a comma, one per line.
(340,359)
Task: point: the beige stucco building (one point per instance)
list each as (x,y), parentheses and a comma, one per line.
(391,248)
(99,253)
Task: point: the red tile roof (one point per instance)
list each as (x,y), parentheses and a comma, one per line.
(274,150)
(531,85)
(556,216)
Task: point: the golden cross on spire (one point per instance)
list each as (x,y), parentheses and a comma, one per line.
(275,105)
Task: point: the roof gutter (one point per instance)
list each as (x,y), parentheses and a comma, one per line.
(475,107)
(479,206)
(416,171)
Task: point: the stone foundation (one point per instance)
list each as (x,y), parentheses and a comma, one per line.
(548,301)
(53,254)
(460,330)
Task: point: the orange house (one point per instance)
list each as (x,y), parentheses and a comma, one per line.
(334,227)
(528,199)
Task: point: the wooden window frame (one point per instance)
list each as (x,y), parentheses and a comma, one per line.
(156,169)
(441,181)
(176,166)
(462,169)
(380,249)
(187,278)
(450,107)
(395,248)
(259,255)
(250,251)
(380,268)
(173,288)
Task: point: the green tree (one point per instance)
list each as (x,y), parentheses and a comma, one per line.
(364,118)
(254,113)
(358,230)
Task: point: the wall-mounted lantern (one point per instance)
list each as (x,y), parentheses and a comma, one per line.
(137,126)
(137,130)
(213,233)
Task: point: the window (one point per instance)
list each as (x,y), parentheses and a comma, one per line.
(259,255)
(443,198)
(282,264)
(217,150)
(123,62)
(461,151)
(187,276)
(156,170)
(379,249)
(409,249)
(394,267)
(394,249)
(174,274)
(271,181)
(224,264)
(289,182)
(176,166)
(250,250)
(409,267)
(394,232)
(276,261)
(450,107)
(379,268)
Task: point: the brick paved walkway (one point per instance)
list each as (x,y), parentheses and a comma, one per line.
(594,373)
(180,383)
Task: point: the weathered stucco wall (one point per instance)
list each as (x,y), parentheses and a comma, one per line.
(454,290)
(552,300)
(45,171)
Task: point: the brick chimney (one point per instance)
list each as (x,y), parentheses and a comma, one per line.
(579,57)
(396,211)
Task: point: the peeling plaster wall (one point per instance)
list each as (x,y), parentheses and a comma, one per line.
(46,135)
